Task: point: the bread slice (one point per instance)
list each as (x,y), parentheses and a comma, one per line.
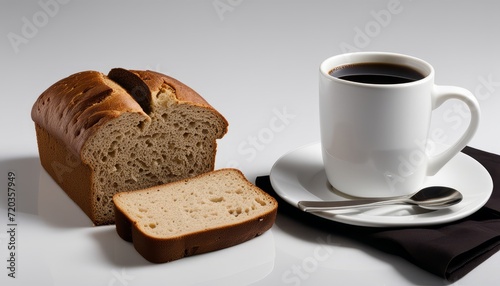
(99,134)
(212,211)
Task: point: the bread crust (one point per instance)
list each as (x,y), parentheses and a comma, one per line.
(66,169)
(155,81)
(75,107)
(160,250)
(84,101)
(184,94)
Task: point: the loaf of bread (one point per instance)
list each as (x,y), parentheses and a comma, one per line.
(212,211)
(98,135)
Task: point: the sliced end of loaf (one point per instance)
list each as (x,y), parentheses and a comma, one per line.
(132,152)
(177,140)
(212,211)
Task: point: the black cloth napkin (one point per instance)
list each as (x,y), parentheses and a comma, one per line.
(449,250)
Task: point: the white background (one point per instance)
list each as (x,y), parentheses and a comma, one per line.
(257,63)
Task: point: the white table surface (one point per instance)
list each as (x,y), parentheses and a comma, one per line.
(257,63)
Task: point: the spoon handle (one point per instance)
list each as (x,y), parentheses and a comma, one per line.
(314,206)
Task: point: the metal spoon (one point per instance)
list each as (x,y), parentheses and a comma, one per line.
(431,198)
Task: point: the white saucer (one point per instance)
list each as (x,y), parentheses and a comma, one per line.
(299,175)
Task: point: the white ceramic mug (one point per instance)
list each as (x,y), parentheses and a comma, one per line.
(374,136)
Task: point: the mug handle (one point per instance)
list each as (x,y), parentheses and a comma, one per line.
(440,94)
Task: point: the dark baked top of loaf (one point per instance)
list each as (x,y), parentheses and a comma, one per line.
(75,107)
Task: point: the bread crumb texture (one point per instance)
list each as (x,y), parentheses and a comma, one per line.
(213,200)
(178,142)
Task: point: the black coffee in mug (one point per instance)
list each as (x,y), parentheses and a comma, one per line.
(376,73)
